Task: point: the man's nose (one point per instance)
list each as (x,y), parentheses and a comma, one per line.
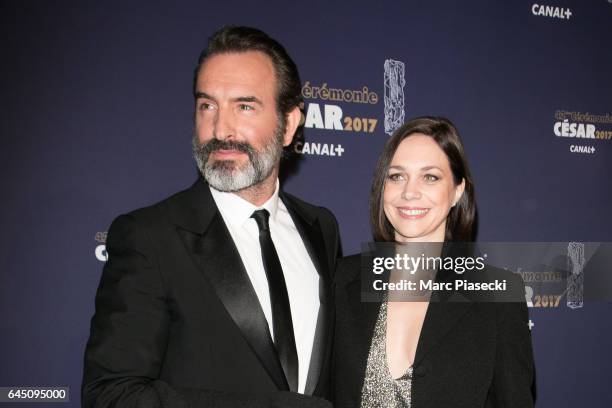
(223,125)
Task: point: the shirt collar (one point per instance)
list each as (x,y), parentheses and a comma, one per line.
(237,210)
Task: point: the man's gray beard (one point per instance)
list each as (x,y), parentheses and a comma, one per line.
(225,175)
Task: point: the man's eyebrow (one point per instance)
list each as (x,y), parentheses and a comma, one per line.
(252,99)
(204,95)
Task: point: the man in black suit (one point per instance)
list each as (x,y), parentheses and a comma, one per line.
(220,295)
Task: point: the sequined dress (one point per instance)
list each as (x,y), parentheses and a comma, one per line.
(380,389)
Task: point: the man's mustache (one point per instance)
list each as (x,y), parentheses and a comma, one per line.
(216,144)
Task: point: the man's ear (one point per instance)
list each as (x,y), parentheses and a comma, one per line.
(293,121)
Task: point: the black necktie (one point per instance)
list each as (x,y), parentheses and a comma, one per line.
(284,339)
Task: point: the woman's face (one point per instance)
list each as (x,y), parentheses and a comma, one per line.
(419,190)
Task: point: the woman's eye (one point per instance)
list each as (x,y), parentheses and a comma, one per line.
(395,177)
(430,178)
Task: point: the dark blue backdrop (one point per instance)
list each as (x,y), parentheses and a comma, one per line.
(97,120)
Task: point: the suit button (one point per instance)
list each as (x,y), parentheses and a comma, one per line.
(421,370)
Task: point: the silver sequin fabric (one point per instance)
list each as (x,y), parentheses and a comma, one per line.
(380,389)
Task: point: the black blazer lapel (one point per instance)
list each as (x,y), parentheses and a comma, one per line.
(309,229)
(209,242)
(440,318)
(443,312)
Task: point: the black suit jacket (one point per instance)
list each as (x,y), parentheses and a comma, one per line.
(177,321)
(469,354)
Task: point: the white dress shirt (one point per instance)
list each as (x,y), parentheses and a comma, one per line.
(300,274)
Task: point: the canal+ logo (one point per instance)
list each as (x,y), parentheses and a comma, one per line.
(560,13)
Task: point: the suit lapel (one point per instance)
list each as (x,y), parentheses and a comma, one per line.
(443,312)
(208,240)
(310,231)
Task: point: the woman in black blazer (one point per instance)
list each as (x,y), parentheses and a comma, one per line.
(455,352)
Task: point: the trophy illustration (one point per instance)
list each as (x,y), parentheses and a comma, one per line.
(575,280)
(394,95)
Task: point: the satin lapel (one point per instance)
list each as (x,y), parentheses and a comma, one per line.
(311,234)
(219,260)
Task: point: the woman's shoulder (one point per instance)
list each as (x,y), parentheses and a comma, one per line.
(514,288)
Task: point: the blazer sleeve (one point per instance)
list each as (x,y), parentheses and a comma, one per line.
(129,329)
(129,334)
(514,373)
